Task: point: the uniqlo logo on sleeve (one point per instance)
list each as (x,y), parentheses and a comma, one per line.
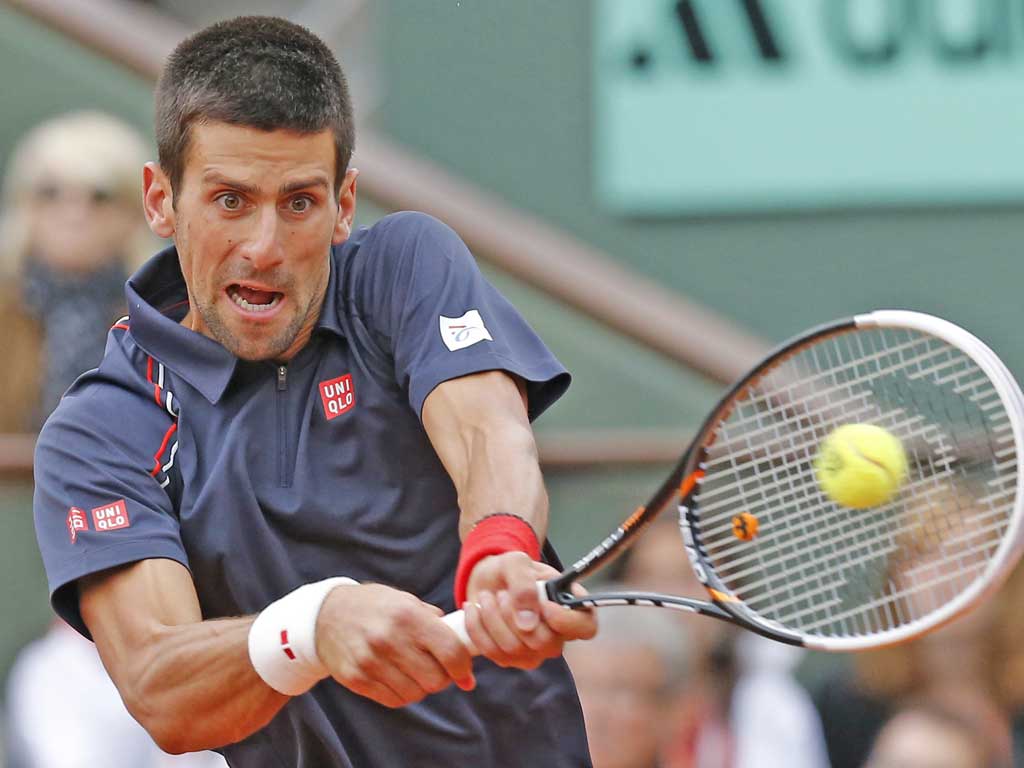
(76,522)
(110,517)
(337,395)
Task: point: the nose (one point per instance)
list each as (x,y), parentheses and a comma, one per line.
(263,249)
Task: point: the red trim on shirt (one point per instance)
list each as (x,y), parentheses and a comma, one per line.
(170,307)
(163,447)
(149,378)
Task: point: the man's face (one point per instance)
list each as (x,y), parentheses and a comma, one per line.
(253,221)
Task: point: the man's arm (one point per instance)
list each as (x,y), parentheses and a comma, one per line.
(190,683)
(479,427)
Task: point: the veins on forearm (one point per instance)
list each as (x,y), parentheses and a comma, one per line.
(503,475)
(196,689)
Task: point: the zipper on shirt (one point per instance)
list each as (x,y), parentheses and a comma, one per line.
(283,475)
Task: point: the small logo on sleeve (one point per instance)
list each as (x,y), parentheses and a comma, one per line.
(338,396)
(77,521)
(110,517)
(465,331)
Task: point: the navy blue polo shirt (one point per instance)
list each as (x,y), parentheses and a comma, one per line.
(261,477)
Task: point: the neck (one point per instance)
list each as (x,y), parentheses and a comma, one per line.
(300,341)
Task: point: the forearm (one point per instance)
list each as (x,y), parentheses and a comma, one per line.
(501,474)
(188,682)
(498,570)
(480,428)
(194,687)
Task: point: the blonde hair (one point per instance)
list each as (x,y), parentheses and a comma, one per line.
(89,148)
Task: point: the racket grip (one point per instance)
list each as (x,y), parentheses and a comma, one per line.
(456,620)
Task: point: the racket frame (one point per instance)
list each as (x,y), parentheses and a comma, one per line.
(684,479)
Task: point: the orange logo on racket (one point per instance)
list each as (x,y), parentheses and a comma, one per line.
(744,526)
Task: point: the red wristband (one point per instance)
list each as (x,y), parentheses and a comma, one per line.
(493,535)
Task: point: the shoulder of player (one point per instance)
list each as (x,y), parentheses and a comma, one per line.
(400,254)
(404,237)
(125,363)
(114,405)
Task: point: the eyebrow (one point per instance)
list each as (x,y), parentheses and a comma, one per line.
(295,186)
(213,177)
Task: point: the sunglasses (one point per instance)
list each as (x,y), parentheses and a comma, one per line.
(54,193)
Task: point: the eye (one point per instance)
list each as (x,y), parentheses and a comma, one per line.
(100,196)
(300,204)
(47,193)
(230,201)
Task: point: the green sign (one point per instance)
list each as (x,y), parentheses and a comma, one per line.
(740,105)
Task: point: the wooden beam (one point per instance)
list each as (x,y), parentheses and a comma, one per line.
(16,456)
(560,450)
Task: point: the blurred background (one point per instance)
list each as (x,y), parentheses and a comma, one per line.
(664,188)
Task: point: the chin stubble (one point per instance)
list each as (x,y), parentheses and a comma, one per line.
(264,349)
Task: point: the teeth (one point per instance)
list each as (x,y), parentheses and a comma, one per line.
(253,307)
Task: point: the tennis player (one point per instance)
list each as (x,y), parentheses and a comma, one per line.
(303,445)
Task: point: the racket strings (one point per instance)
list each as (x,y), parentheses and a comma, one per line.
(760,401)
(825,569)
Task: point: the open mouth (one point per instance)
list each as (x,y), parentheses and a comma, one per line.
(253,299)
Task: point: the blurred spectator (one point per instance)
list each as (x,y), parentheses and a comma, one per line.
(64,712)
(978,655)
(627,678)
(71,230)
(949,731)
(742,707)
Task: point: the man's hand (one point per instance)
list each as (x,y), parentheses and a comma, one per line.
(389,646)
(508,621)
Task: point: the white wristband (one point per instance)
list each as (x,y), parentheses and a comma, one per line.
(282,640)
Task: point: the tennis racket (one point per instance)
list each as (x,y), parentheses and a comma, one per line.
(778,556)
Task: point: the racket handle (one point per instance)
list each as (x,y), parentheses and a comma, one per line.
(456,620)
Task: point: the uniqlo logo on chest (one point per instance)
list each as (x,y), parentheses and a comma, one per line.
(76,522)
(338,396)
(110,517)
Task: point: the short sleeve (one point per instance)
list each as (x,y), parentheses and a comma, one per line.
(101,495)
(443,319)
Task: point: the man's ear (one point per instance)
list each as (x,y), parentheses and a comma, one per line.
(346,207)
(158,200)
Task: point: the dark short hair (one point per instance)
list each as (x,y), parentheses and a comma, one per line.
(255,71)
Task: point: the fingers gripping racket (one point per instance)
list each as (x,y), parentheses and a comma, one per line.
(779,556)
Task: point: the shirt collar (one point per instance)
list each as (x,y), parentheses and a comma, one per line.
(330,311)
(157,301)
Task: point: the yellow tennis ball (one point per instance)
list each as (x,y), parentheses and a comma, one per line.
(860,465)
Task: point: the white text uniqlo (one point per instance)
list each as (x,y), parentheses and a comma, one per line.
(110,517)
(338,396)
